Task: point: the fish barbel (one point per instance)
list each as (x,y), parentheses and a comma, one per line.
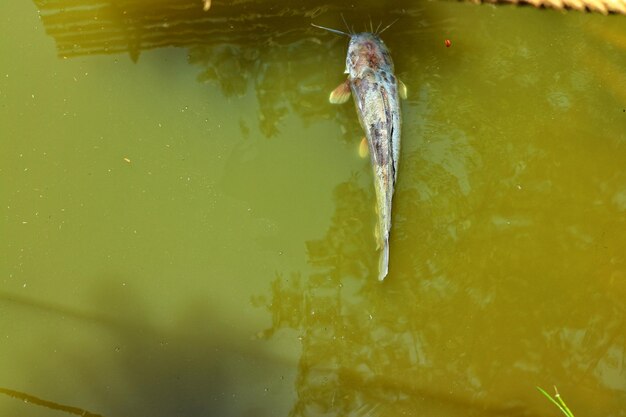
(376,91)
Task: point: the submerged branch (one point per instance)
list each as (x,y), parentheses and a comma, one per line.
(27,398)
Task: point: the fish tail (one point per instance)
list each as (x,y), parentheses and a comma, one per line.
(383,263)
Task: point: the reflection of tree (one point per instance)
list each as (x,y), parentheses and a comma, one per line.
(83,27)
(474,312)
(267,46)
(113,26)
(238,45)
(280,77)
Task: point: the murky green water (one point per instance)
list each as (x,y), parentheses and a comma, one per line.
(187,227)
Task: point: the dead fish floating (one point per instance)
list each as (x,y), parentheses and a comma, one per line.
(376,91)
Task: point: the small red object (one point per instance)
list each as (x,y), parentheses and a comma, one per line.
(448,43)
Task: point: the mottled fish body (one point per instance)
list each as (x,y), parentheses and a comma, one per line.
(376,91)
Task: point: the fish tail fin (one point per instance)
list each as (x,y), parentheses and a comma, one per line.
(383,263)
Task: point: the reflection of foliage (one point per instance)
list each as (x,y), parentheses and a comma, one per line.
(249,45)
(468,315)
(82,27)
(227,64)
(346,246)
(345,251)
(361,354)
(239,45)
(280,77)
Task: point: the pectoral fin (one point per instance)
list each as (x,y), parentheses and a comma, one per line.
(402,91)
(341,94)
(363,149)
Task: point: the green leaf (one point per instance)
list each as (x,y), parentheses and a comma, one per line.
(560,403)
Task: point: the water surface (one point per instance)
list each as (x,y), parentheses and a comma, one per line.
(187,227)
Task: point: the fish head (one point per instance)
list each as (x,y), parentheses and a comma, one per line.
(367,51)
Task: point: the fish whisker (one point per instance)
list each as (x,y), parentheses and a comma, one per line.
(388,26)
(338,32)
(346,23)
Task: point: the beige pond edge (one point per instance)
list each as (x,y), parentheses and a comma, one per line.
(602,6)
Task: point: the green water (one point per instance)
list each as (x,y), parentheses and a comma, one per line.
(187,229)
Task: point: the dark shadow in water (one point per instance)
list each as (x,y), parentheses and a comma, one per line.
(191,365)
(267,46)
(86,27)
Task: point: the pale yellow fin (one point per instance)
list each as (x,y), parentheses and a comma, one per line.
(402,90)
(377,234)
(341,94)
(363,149)
(383,262)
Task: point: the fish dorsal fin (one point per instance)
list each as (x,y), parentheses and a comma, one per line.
(402,90)
(341,94)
